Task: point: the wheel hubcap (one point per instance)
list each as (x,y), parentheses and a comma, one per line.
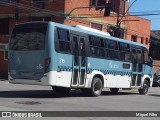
(145,88)
(97,87)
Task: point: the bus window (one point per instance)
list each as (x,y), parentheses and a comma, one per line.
(134,59)
(64,41)
(112,45)
(96,46)
(124,47)
(113,52)
(139,60)
(146,59)
(125,56)
(124,52)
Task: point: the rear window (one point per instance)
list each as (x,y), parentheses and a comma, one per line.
(28,38)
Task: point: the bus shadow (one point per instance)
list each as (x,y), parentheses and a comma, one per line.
(154,95)
(108,93)
(51,94)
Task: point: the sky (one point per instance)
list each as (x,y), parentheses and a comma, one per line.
(147,5)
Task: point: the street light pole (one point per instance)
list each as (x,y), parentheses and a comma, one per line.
(119,20)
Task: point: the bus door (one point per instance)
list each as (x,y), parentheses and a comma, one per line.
(136,67)
(79,61)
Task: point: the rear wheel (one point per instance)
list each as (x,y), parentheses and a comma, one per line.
(61,90)
(144,89)
(114,90)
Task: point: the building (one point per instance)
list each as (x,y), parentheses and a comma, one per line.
(88,13)
(154,50)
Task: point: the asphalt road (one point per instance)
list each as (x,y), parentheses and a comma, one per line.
(17,97)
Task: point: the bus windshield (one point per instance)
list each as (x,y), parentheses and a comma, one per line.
(28,38)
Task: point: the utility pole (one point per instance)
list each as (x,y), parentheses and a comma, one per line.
(118,15)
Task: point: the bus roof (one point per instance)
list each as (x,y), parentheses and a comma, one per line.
(97,34)
(89,31)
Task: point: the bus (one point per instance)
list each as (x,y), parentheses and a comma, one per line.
(69,57)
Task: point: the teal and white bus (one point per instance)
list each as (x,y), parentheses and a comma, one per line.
(66,57)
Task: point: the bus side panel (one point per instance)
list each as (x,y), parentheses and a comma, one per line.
(147,73)
(116,75)
(61,64)
(64,70)
(95,64)
(124,75)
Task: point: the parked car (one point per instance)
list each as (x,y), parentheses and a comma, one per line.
(156,81)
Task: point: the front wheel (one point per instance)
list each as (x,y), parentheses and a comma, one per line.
(96,87)
(144,89)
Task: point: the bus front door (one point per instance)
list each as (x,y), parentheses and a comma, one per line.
(79,61)
(136,67)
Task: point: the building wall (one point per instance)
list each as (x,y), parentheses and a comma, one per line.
(141,28)
(57,10)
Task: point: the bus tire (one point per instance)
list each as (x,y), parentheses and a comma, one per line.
(114,90)
(144,89)
(61,90)
(96,87)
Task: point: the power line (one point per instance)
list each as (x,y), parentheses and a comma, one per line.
(145,12)
(55,13)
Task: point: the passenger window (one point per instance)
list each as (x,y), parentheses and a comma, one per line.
(96,46)
(64,41)
(63,35)
(125,56)
(112,45)
(146,57)
(124,52)
(124,47)
(113,52)
(96,41)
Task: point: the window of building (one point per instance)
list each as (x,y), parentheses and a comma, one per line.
(147,41)
(97,2)
(64,41)
(4,26)
(118,5)
(96,26)
(134,38)
(142,40)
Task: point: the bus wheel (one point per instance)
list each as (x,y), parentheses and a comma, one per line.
(114,90)
(61,90)
(96,87)
(145,88)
